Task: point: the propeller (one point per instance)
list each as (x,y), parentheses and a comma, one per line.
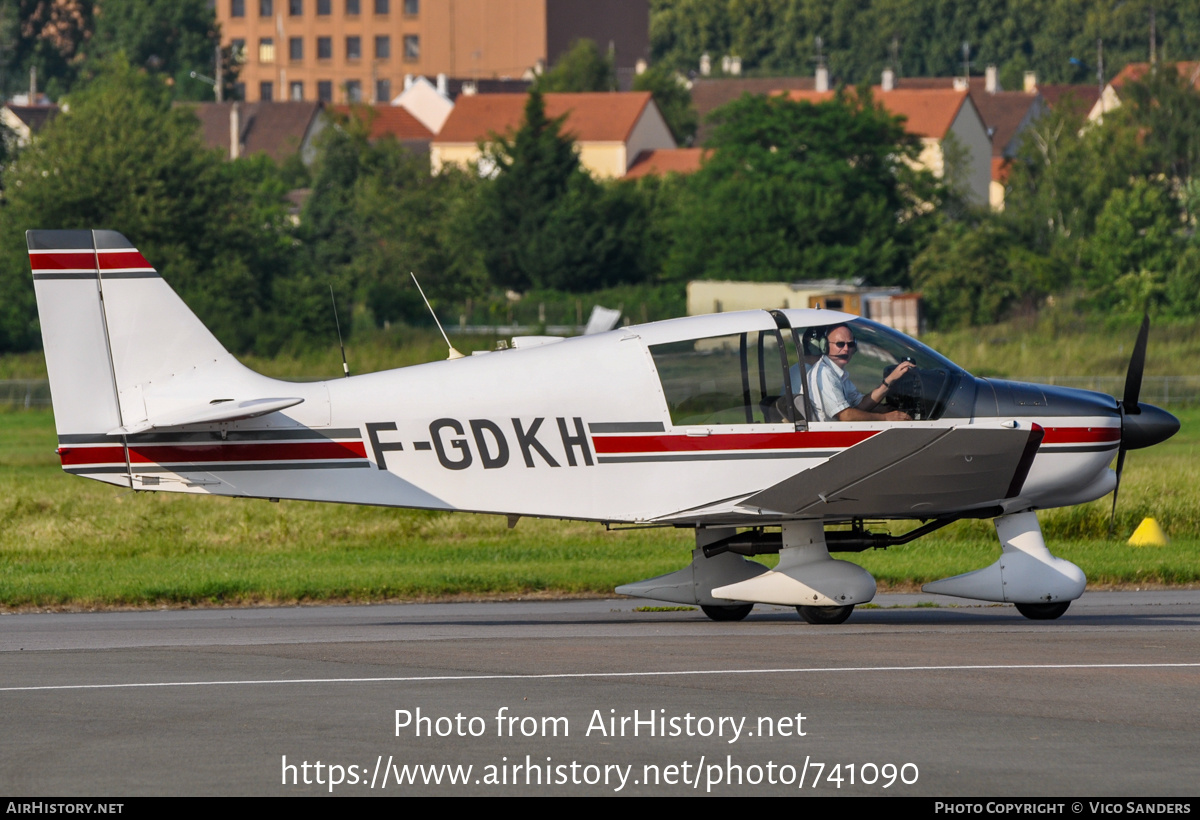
(1141,425)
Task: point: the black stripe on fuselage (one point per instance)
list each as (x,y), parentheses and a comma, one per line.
(220,467)
(633,459)
(627,427)
(214,436)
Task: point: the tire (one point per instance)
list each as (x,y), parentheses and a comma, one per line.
(735,612)
(825,614)
(1043,612)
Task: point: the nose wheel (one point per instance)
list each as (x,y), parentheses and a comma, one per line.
(825,614)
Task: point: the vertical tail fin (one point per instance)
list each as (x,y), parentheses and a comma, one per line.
(123,352)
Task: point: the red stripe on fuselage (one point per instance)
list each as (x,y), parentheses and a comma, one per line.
(1080,435)
(825,440)
(204,453)
(91,455)
(213,453)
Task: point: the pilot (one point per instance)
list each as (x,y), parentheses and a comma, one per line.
(834,396)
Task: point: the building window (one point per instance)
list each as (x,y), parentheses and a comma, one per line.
(237,51)
(237,8)
(266,50)
(353,91)
(381,7)
(239,91)
(295,49)
(352,8)
(383,91)
(383,47)
(412,8)
(325,91)
(296,92)
(412,48)
(324,48)
(266,91)
(266,8)
(353,48)
(295,8)
(324,8)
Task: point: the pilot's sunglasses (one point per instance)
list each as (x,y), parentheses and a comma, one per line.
(845,345)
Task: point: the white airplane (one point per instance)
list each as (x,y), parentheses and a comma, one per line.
(702,422)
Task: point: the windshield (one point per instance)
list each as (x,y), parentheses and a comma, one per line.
(921,393)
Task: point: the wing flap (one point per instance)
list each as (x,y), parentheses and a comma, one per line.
(909,471)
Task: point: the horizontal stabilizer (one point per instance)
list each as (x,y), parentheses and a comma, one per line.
(910,471)
(212,413)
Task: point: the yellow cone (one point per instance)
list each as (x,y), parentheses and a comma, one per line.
(1148,534)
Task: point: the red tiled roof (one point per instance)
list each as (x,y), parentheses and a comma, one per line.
(977,85)
(1001,167)
(1081,97)
(388,119)
(928,112)
(34,116)
(1136,71)
(277,129)
(666,161)
(591,117)
(1002,114)
(710,93)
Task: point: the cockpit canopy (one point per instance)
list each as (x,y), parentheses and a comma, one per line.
(761,376)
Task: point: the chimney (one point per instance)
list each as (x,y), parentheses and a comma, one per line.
(640,66)
(888,81)
(408,81)
(822,83)
(961,84)
(235,130)
(705,65)
(441,85)
(735,66)
(1030,82)
(725,64)
(992,81)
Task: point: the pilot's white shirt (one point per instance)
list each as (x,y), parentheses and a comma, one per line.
(831,390)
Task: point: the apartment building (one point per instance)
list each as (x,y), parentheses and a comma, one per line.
(361,50)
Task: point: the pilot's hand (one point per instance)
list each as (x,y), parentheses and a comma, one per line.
(898,372)
(897,415)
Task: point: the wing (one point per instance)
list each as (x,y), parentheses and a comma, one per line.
(910,471)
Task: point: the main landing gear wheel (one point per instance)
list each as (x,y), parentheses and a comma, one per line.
(825,614)
(727,613)
(1043,612)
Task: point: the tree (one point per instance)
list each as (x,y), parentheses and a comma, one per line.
(581,68)
(168,37)
(533,172)
(543,222)
(1136,247)
(47,35)
(795,190)
(1166,109)
(121,157)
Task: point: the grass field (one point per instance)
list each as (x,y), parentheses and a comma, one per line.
(72,543)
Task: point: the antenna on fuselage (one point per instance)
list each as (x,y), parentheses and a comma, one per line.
(454,354)
(341,344)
